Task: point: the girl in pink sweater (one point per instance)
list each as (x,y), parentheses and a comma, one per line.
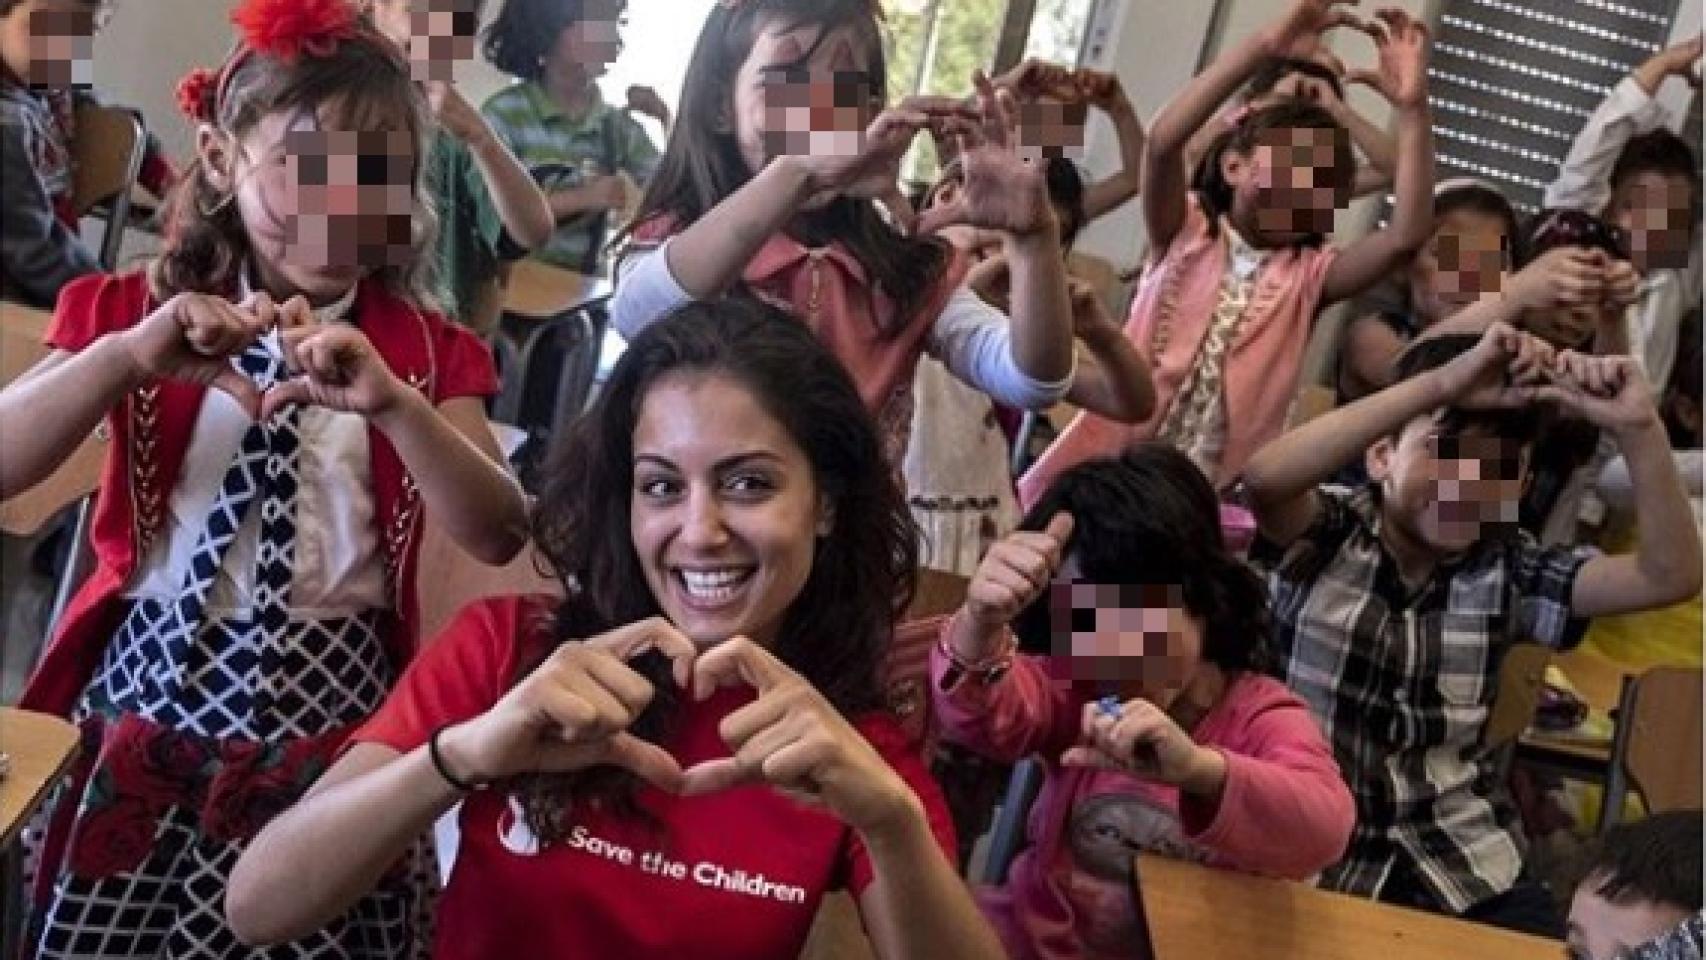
(1132,666)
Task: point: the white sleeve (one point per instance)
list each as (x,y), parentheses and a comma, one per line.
(973,340)
(646,290)
(1584,178)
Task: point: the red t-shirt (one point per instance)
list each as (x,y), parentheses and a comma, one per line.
(737,874)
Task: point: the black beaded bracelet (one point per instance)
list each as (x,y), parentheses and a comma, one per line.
(443,768)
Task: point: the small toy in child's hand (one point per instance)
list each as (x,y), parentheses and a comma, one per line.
(1109,706)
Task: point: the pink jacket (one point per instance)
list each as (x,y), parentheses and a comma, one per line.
(1169,319)
(1285,811)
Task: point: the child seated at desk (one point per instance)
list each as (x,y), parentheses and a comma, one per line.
(1119,585)
(1641,896)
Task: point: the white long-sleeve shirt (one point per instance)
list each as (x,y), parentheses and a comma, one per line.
(1584,183)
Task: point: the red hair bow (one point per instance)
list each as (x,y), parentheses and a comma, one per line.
(286,29)
(195,94)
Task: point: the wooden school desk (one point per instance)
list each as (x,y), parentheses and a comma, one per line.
(1200,913)
(1599,681)
(41,748)
(21,330)
(540,291)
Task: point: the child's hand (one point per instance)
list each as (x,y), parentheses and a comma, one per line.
(1141,740)
(1622,284)
(1681,60)
(1307,19)
(455,114)
(193,336)
(1503,371)
(1562,277)
(573,712)
(1090,319)
(793,739)
(874,172)
(605,192)
(1038,78)
(1015,572)
(1103,91)
(646,102)
(1402,43)
(1000,190)
(335,367)
(1609,392)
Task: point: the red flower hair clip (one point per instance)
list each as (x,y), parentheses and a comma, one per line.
(195,94)
(287,29)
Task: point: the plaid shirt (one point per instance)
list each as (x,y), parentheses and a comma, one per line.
(563,151)
(1402,682)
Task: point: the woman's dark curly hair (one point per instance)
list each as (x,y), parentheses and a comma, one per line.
(1256,128)
(836,633)
(1150,517)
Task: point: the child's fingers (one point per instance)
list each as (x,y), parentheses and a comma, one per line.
(284,394)
(1087,757)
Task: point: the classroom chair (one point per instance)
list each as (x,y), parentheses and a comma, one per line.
(1656,744)
(1522,677)
(1007,836)
(550,379)
(106,160)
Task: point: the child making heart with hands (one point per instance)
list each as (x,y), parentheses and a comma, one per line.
(1116,638)
(283,414)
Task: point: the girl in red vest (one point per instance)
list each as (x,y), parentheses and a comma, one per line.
(282,411)
(778,169)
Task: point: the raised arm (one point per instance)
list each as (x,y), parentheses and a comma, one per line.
(1402,42)
(1612,394)
(1104,91)
(519,202)
(1166,182)
(1281,478)
(1113,379)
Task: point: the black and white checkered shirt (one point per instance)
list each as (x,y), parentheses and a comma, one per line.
(1402,682)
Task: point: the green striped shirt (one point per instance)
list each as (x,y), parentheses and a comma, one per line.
(563,151)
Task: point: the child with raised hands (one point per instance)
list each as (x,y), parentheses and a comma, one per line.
(1238,269)
(1118,639)
(490,211)
(688,749)
(781,178)
(283,414)
(1396,603)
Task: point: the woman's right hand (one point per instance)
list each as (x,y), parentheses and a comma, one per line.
(574,711)
(193,336)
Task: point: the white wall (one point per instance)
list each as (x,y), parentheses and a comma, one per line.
(148,47)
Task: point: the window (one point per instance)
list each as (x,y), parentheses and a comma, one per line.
(1512,81)
(934,45)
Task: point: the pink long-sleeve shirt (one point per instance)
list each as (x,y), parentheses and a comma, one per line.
(1285,810)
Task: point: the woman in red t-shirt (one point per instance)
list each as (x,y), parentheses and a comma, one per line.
(685,754)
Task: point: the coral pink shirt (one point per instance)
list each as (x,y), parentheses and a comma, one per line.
(1170,317)
(1285,810)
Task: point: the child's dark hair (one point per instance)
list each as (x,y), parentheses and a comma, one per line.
(836,632)
(703,164)
(365,82)
(1150,517)
(1273,70)
(1066,192)
(1558,227)
(1521,425)
(524,32)
(1664,153)
(1478,197)
(1216,195)
(1656,860)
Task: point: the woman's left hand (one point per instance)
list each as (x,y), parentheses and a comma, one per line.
(1142,740)
(1001,190)
(333,365)
(791,738)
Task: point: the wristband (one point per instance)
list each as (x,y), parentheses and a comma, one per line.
(986,671)
(444,769)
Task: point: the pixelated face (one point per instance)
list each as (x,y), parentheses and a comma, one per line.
(1465,258)
(787,103)
(1656,211)
(325,206)
(437,34)
(1051,128)
(1288,187)
(1602,930)
(50,43)
(1137,639)
(588,46)
(725,511)
(1448,488)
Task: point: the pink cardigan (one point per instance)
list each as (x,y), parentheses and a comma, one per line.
(1285,812)
(1170,318)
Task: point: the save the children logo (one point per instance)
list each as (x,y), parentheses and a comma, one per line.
(518,838)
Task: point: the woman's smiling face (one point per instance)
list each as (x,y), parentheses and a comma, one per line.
(725,509)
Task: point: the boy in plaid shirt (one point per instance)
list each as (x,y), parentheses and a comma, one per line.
(1395,604)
